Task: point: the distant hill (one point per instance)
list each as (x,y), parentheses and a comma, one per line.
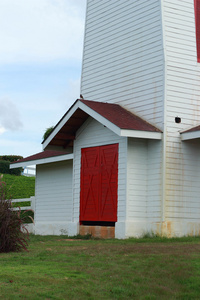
(19,186)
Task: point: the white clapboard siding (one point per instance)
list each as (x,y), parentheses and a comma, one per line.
(93,134)
(182,85)
(123,58)
(144,180)
(54,192)
(154,207)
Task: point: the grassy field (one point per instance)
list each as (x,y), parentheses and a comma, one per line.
(62,268)
(19,186)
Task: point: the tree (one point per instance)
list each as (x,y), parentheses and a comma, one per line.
(48,132)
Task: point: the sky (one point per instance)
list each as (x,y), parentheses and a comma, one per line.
(41,45)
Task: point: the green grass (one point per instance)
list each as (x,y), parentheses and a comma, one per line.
(19,186)
(62,268)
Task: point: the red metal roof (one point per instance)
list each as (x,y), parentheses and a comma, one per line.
(41,155)
(119,116)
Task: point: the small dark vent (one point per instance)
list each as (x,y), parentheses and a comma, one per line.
(177,120)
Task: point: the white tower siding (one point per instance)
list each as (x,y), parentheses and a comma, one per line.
(144,187)
(123,56)
(182,99)
(142,55)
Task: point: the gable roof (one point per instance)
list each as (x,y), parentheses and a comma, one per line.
(119,116)
(192,133)
(43,157)
(113,116)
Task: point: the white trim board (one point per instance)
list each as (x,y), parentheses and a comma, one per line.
(185,136)
(141,134)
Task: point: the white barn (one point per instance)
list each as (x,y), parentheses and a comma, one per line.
(126,161)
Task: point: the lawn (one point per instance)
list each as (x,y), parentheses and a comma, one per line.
(60,268)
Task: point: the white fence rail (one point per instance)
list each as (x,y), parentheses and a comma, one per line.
(31,206)
(29,226)
(29,171)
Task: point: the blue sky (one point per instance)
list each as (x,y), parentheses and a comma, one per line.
(41,44)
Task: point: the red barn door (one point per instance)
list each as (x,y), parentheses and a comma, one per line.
(89,184)
(99,181)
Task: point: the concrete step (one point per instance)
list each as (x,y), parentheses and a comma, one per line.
(104,232)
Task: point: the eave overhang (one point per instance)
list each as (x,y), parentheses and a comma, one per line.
(109,115)
(190,134)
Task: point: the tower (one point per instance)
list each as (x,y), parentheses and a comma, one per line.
(144,55)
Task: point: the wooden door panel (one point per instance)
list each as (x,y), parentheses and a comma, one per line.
(108,183)
(89,184)
(99,182)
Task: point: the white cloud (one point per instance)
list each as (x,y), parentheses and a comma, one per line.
(9,116)
(2,129)
(41,30)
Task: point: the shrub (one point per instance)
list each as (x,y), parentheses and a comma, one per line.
(10,158)
(5,168)
(16,171)
(13,234)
